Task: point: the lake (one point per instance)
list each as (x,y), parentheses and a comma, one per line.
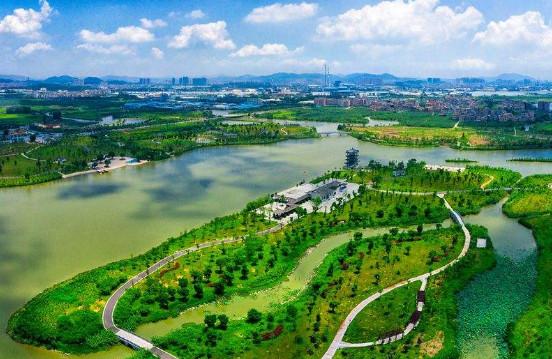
(53,231)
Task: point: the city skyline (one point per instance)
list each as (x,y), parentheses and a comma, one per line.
(416,38)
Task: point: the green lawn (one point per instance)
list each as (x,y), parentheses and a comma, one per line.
(357,115)
(389,313)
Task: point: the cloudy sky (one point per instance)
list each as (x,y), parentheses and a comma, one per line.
(446,38)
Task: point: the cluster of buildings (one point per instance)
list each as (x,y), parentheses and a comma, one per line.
(308,197)
(24,134)
(459,107)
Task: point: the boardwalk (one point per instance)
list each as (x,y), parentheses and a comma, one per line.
(338,343)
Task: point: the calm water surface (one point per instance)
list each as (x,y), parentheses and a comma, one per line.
(53,231)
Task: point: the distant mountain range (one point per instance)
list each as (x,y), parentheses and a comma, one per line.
(280,78)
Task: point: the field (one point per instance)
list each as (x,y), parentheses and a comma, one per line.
(461,137)
(16,170)
(533,198)
(356,115)
(16,119)
(419,136)
(435,336)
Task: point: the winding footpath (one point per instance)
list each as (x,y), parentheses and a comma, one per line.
(137,342)
(338,342)
(133,340)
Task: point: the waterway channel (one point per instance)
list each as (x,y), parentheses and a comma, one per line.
(53,231)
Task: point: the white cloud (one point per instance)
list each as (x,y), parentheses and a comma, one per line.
(528,29)
(157,53)
(107,49)
(152,24)
(195,14)
(401,21)
(31,47)
(375,50)
(278,12)
(132,34)
(26,22)
(472,63)
(315,63)
(265,50)
(213,33)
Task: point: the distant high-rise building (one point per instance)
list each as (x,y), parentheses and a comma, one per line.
(144,81)
(543,106)
(173,81)
(351,158)
(199,81)
(184,81)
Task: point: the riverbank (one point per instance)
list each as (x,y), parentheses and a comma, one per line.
(72,155)
(116,163)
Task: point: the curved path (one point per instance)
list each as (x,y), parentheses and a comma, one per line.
(338,343)
(132,339)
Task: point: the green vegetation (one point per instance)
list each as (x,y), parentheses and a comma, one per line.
(74,153)
(389,313)
(259,263)
(533,198)
(460,137)
(530,159)
(418,136)
(435,336)
(414,177)
(459,160)
(357,115)
(530,336)
(304,326)
(49,319)
(497,177)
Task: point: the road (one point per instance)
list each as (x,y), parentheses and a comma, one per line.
(338,343)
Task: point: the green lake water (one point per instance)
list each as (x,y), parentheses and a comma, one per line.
(53,231)
(496,298)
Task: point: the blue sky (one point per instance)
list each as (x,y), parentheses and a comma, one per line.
(446,38)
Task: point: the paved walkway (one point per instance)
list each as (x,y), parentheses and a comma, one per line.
(338,343)
(132,339)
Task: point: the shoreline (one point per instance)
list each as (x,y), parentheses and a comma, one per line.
(104,169)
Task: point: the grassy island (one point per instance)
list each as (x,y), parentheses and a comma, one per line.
(67,317)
